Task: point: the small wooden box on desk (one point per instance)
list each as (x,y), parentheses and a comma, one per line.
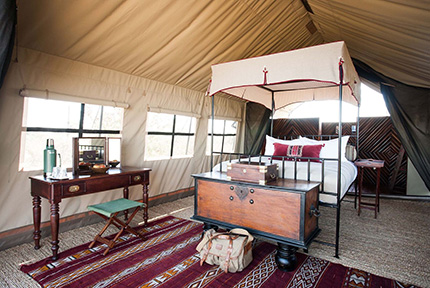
(375,165)
(254,172)
(284,210)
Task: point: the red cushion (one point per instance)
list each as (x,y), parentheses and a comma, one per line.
(280,150)
(287,150)
(312,151)
(307,151)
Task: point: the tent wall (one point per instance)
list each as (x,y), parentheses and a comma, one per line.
(40,71)
(7,35)
(409,110)
(257,126)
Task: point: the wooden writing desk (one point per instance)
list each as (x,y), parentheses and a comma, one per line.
(78,185)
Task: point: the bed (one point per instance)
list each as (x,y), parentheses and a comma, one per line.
(320,72)
(322,168)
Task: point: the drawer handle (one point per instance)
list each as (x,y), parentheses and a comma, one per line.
(251,190)
(137,178)
(231,198)
(74,188)
(251,201)
(231,187)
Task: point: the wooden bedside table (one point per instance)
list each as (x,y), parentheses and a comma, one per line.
(375,165)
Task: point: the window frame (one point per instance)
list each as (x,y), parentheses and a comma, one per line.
(79,130)
(223,134)
(173,134)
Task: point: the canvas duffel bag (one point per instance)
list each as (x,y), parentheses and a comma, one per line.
(232,250)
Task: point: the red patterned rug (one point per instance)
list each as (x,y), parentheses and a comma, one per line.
(168,258)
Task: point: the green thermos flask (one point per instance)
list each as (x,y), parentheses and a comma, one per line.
(49,157)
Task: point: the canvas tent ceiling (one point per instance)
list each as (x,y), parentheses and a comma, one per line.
(175,41)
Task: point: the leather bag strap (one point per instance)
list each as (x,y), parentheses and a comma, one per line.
(243,232)
(229,250)
(205,252)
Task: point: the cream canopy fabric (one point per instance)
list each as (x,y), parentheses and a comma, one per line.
(300,75)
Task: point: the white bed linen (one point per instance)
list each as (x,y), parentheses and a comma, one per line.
(348,174)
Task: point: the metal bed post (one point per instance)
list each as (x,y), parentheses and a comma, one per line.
(212,134)
(273,113)
(358,128)
(357,149)
(339,161)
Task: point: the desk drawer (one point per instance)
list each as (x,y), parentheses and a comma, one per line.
(97,184)
(70,190)
(138,178)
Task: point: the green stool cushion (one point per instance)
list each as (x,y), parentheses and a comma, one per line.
(109,208)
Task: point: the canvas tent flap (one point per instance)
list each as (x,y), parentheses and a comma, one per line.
(306,69)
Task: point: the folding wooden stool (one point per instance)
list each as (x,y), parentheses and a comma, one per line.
(109,211)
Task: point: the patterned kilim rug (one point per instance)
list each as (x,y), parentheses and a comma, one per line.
(168,258)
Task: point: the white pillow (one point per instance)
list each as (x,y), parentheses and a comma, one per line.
(330,149)
(270,149)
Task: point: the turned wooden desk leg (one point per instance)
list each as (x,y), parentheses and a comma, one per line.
(55,217)
(360,187)
(378,178)
(125,194)
(285,257)
(36,221)
(355,193)
(145,200)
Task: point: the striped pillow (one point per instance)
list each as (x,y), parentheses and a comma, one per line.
(295,150)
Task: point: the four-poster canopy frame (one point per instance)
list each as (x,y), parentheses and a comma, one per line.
(352,82)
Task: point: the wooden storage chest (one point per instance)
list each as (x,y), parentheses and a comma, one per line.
(283,211)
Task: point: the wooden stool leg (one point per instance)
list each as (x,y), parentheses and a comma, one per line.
(123,226)
(131,230)
(108,223)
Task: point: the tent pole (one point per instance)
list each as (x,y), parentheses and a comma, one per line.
(358,130)
(212,134)
(273,113)
(357,150)
(339,161)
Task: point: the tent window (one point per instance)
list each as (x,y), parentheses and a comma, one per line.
(224,136)
(61,121)
(169,135)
